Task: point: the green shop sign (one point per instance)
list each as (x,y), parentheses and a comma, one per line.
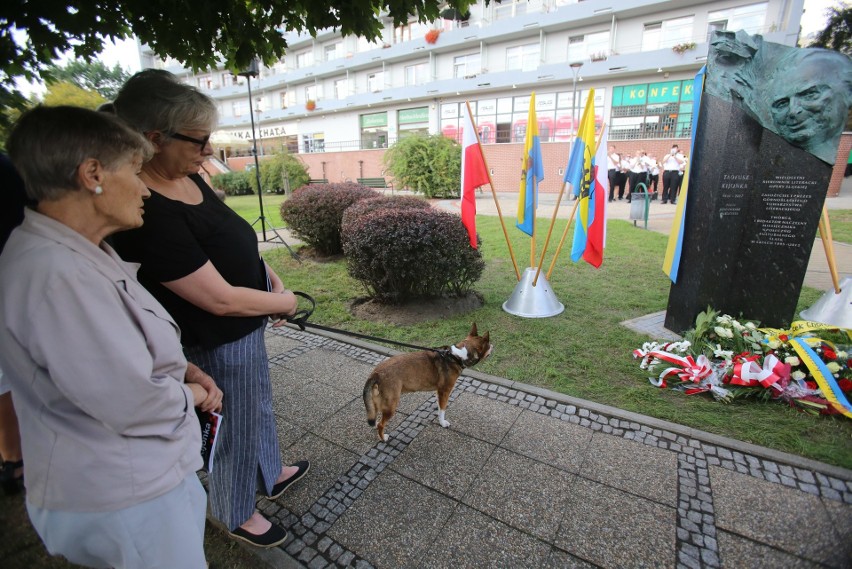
(375,119)
(408,116)
(652,93)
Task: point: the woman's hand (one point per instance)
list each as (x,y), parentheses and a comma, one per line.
(211,395)
(280,318)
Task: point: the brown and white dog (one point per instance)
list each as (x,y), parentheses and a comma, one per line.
(421,371)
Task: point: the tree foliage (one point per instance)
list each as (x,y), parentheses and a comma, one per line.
(94,76)
(427,164)
(274,171)
(837,34)
(66,93)
(199,35)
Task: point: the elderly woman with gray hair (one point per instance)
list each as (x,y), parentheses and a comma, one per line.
(200,259)
(103,392)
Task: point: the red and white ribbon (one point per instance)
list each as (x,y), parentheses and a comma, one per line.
(748,372)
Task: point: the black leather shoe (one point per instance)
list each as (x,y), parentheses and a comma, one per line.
(273,536)
(304,466)
(10,481)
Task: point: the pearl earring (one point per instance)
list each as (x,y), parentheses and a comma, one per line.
(98,190)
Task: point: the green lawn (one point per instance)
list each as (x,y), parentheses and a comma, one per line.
(249,208)
(841,225)
(582,352)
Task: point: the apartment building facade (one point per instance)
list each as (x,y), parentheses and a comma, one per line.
(339,102)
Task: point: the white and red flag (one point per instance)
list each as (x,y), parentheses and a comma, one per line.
(474,173)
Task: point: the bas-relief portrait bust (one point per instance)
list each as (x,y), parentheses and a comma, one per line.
(803,95)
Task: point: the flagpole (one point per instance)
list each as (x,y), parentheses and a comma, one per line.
(550,231)
(494,194)
(573,213)
(562,241)
(828,247)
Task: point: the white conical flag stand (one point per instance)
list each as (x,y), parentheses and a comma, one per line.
(530,301)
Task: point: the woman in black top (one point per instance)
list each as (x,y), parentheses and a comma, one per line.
(200,260)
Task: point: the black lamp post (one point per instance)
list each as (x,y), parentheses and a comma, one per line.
(248,73)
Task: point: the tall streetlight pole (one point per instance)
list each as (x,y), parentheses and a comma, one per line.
(575,70)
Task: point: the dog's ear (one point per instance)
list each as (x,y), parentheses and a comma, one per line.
(487,337)
(473,330)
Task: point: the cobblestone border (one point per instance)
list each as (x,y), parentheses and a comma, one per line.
(696,543)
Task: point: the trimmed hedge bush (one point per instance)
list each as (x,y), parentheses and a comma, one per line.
(232,183)
(381,202)
(314,213)
(403,254)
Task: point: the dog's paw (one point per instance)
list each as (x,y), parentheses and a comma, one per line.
(385,437)
(444,423)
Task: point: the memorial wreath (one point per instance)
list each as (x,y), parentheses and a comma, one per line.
(808,366)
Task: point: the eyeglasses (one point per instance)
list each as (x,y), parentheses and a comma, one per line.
(202,142)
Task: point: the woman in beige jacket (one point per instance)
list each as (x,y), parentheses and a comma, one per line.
(103,393)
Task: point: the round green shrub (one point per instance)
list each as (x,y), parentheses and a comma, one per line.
(274,170)
(314,213)
(426,164)
(403,254)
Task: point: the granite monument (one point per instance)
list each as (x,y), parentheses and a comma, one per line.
(768,128)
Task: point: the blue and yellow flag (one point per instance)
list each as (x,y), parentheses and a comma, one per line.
(671,262)
(579,174)
(532,173)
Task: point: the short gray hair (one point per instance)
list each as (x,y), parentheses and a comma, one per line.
(154,100)
(48,144)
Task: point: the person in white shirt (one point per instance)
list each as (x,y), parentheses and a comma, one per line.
(638,172)
(613,163)
(653,176)
(672,164)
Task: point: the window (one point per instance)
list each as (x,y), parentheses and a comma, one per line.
(311,93)
(464,65)
(588,45)
(523,57)
(341,89)
(333,51)
(417,74)
(314,142)
(658,35)
(304,59)
(411,31)
(240,108)
(751,18)
(509,8)
(652,110)
(376,81)
(282,99)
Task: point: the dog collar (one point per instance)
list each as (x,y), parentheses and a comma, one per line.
(448,354)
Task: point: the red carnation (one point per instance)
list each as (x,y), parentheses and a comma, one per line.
(829,354)
(811,384)
(845,385)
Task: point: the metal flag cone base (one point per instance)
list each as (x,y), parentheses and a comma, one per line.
(530,301)
(833,309)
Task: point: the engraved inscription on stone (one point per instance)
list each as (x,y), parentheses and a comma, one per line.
(782,223)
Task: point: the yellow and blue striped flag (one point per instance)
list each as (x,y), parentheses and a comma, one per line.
(532,172)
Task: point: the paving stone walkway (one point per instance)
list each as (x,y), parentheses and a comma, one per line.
(525,477)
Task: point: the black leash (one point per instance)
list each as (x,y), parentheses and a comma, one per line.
(300,319)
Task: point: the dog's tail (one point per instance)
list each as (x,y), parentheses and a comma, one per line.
(368,399)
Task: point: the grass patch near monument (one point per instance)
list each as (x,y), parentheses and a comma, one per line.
(584,351)
(841,225)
